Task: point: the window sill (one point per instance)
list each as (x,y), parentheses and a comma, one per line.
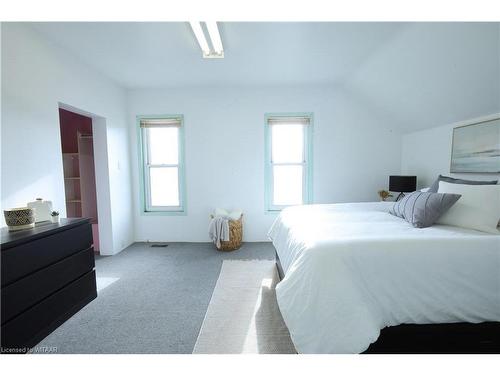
(273,211)
(277,210)
(163,213)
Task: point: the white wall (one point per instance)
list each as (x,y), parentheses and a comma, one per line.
(427,153)
(354,152)
(36,76)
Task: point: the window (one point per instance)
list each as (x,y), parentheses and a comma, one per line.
(288,160)
(162,164)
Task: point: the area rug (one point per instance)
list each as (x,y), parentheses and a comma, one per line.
(243,315)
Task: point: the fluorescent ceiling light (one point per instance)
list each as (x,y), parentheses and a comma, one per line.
(213,32)
(200,37)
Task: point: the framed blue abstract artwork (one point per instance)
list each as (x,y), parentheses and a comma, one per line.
(476,148)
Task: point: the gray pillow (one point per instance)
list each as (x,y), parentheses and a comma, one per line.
(422,209)
(435,186)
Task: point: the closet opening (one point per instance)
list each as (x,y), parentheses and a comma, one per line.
(77,145)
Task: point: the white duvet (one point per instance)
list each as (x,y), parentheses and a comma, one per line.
(353,269)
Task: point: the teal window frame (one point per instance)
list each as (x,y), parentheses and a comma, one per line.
(307,187)
(145,208)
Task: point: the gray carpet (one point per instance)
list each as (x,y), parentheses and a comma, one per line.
(155,301)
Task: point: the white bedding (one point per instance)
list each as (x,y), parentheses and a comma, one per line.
(353,269)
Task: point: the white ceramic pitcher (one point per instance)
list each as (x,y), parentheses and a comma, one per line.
(42,209)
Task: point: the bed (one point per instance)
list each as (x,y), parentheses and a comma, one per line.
(350,270)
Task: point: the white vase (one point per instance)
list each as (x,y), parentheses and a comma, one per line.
(54,219)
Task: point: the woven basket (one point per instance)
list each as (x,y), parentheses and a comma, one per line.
(235,235)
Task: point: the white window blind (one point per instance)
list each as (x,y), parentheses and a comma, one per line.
(289,121)
(160,123)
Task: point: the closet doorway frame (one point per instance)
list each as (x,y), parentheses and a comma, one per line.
(102,180)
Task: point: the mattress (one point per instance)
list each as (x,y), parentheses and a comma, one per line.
(353,269)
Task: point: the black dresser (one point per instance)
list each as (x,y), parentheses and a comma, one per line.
(47,276)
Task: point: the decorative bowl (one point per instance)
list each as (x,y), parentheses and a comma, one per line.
(19,218)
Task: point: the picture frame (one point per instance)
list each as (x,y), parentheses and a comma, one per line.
(476,147)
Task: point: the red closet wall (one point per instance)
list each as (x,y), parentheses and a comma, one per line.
(71,123)
(79,171)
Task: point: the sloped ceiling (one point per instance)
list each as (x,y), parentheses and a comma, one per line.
(417,75)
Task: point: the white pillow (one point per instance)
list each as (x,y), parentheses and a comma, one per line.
(233,215)
(220,212)
(478,207)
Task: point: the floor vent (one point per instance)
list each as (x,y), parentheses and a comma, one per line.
(159,245)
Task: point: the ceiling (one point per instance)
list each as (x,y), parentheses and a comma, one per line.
(138,55)
(421,74)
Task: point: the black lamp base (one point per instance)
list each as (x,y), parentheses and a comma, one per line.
(401,195)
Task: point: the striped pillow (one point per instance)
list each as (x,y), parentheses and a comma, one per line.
(422,209)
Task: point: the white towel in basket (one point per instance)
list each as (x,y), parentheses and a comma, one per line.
(218,230)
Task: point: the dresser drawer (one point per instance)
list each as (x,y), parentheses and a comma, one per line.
(33,325)
(28,291)
(25,259)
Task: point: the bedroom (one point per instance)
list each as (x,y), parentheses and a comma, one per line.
(274,138)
